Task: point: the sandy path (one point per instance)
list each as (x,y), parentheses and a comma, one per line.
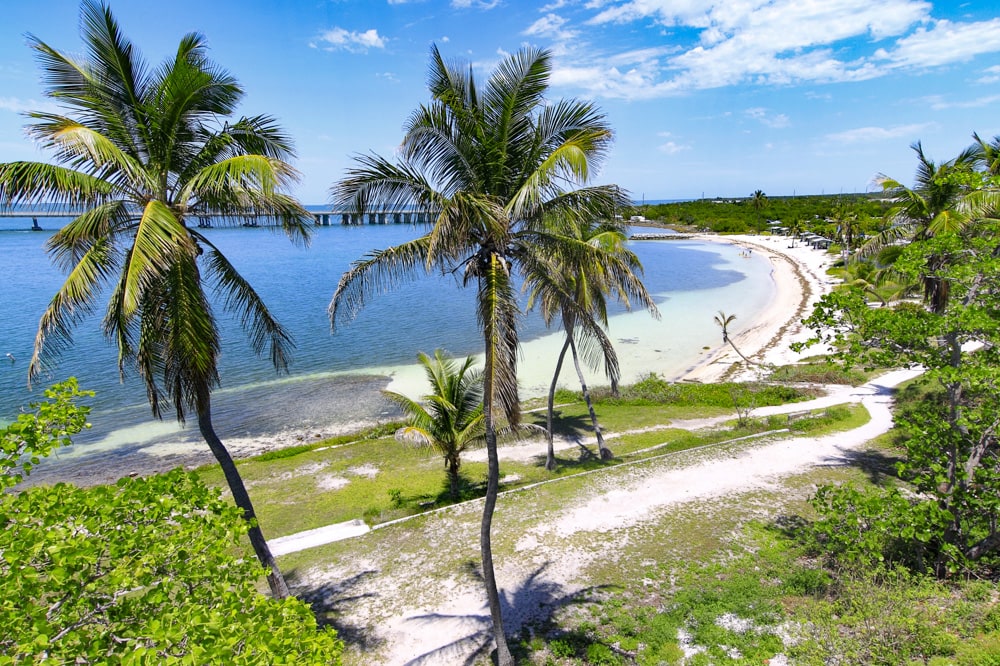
(546,563)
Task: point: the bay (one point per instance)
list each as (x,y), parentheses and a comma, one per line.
(335,377)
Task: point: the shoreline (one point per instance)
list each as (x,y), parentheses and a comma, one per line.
(800,280)
(797,281)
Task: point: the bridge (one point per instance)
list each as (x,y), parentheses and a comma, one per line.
(321,218)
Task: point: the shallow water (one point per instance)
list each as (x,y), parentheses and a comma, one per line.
(335,379)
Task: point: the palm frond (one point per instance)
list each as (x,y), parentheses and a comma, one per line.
(497,314)
(159,239)
(262,328)
(73,302)
(102,223)
(378,272)
(41,183)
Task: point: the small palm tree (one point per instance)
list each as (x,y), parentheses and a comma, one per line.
(451,418)
(143,151)
(724,320)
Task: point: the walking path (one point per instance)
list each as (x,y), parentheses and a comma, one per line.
(872,395)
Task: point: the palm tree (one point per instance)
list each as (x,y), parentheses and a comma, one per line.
(724,320)
(142,151)
(579,294)
(931,207)
(758,201)
(452,419)
(987,154)
(494,163)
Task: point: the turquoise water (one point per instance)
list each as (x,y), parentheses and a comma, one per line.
(335,377)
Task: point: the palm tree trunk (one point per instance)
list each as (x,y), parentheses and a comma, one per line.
(601,446)
(453,478)
(279,589)
(504,657)
(740,353)
(550,458)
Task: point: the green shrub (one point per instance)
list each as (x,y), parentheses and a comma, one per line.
(599,654)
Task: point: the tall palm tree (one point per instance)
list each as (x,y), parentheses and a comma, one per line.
(452,419)
(143,152)
(578,295)
(494,163)
(758,201)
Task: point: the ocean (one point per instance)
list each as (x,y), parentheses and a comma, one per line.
(335,377)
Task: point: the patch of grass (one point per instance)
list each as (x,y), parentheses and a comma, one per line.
(654,390)
(767,598)
(823,372)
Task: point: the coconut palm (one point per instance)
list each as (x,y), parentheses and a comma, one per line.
(758,201)
(933,206)
(987,154)
(578,295)
(494,163)
(451,418)
(142,152)
(723,320)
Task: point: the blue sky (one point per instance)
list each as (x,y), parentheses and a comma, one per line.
(706,98)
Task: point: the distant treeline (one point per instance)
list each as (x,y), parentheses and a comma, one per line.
(739,214)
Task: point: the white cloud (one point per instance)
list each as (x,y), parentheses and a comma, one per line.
(15,105)
(990,75)
(671,147)
(339,39)
(474,4)
(939,103)
(944,43)
(870,134)
(768,42)
(762,115)
(551,26)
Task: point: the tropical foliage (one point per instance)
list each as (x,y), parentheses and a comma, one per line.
(143,152)
(451,419)
(579,293)
(503,169)
(144,571)
(952,451)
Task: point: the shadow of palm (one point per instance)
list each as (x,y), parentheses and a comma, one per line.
(329,601)
(534,602)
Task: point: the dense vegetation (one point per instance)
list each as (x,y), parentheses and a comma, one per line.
(812,212)
(146,571)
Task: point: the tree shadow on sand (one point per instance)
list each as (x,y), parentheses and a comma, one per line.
(534,602)
(329,602)
(573,428)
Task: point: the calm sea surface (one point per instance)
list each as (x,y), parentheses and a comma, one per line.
(334,378)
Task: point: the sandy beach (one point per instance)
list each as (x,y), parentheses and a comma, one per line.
(800,278)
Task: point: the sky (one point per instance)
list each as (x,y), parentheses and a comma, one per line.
(707,98)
